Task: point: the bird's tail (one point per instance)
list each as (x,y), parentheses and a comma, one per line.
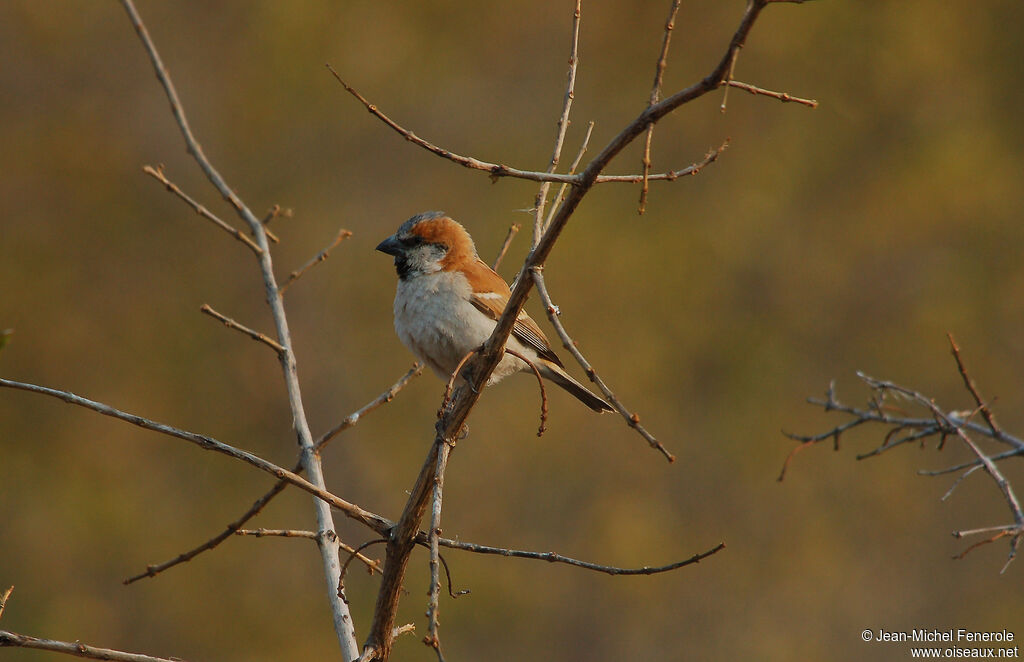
(579,391)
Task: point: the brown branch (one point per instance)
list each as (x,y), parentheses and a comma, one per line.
(540,384)
(158,174)
(3,599)
(671,175)
(659,72)
(271,214)
(232,324)
(986,413)
(317,259)
(494,169)
(631,418)
(552,557)
(76,648)
(387,396)
(781,96)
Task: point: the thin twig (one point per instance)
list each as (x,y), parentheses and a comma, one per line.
(433,607)
(317,259)
(371,564)
(659,72)
(153,570)
(372,520)
(448,573)
(986,413)
(672,175)
(781,96)
(728,78)
(260,504)
(158,174)
(232,324)
(76,648)
(572,169)
(382,399)
(552,557)
(512,231)
(563,125)
(450,385)
(357,553)
(632,418)
(277,533)
(540,384)
(271,214)
(7,594)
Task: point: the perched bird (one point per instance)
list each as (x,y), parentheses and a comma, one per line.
(448,302)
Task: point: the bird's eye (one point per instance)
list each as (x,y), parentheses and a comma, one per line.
(411,240)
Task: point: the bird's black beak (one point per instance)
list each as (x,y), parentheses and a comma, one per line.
(391,246)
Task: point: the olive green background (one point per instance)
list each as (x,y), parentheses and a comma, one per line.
(850,237)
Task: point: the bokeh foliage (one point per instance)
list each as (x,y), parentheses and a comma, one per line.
(849,237)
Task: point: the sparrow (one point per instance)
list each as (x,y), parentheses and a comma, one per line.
(448,302)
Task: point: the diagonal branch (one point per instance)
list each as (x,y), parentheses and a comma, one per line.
(631,418)
(206,309)
(659,72)
(158,174)
(372,520)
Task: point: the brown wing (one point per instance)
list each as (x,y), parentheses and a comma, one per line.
(490,296)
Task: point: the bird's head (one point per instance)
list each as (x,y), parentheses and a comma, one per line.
(427,243)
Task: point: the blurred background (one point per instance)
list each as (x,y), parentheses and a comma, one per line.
(822,242)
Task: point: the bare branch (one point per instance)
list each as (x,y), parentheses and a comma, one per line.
(572,168)
(552,557)
(4,597)
(382,399)
(563,125)
(671,175)
(512,231)
(271,214)
(371,564)
(232,324)
(76,648)
(986,413)
(781,96)
(659,71)
(631,418)
(372,520)
(158,174)
(540,384)
(317,259)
